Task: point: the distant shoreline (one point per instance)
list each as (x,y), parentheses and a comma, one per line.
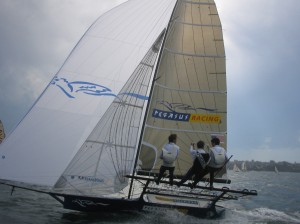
(265,166)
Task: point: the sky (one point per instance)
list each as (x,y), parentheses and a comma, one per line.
(262,44)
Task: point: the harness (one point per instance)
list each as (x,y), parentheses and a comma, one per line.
(201,160)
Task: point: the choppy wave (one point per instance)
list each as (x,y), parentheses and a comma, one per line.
(277,202)
(266,215)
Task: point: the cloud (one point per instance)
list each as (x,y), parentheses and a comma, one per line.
(266,154)
(266,151)
(262,52)
(266,143)
(36,38)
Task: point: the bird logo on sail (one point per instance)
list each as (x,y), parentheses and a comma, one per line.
(70,89)
(73,88)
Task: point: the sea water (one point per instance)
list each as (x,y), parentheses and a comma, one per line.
(278,201)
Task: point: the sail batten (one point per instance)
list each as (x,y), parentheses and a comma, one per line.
(110,144)
(128,104)
(194,55)
(200,3)
(182,130)
(197,24)
(190,90)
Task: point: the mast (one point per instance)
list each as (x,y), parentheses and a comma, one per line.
(149,99)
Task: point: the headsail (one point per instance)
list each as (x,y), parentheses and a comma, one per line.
(189,93)
(41,147)
(108,154)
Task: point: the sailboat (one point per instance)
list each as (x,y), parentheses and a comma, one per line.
(142,71)
(236,168)
(2,133)
(244,167)
(276,170)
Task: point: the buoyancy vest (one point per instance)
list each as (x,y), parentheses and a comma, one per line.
(169,156)
(218,157)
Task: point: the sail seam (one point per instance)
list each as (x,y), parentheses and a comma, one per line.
(217,73)
(185,90)
(122,103)
(197,24)
(109,144)
(193,55)
(184,130)
(199,3)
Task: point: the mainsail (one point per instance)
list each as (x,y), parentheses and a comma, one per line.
(189,92)
(2,133)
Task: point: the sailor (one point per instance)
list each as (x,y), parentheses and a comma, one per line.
(217,161)
(169,154)
(200,160)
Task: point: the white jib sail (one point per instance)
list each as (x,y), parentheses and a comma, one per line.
(43,144)
(108,155)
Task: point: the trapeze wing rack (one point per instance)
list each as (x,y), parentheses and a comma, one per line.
(223,189)
(147,174)
(226,190)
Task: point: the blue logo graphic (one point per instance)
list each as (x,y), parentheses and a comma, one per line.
(181,106)
(73,88)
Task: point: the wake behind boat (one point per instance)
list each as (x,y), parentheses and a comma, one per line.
(143,71)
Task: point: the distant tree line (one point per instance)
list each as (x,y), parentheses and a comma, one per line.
(265,166)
